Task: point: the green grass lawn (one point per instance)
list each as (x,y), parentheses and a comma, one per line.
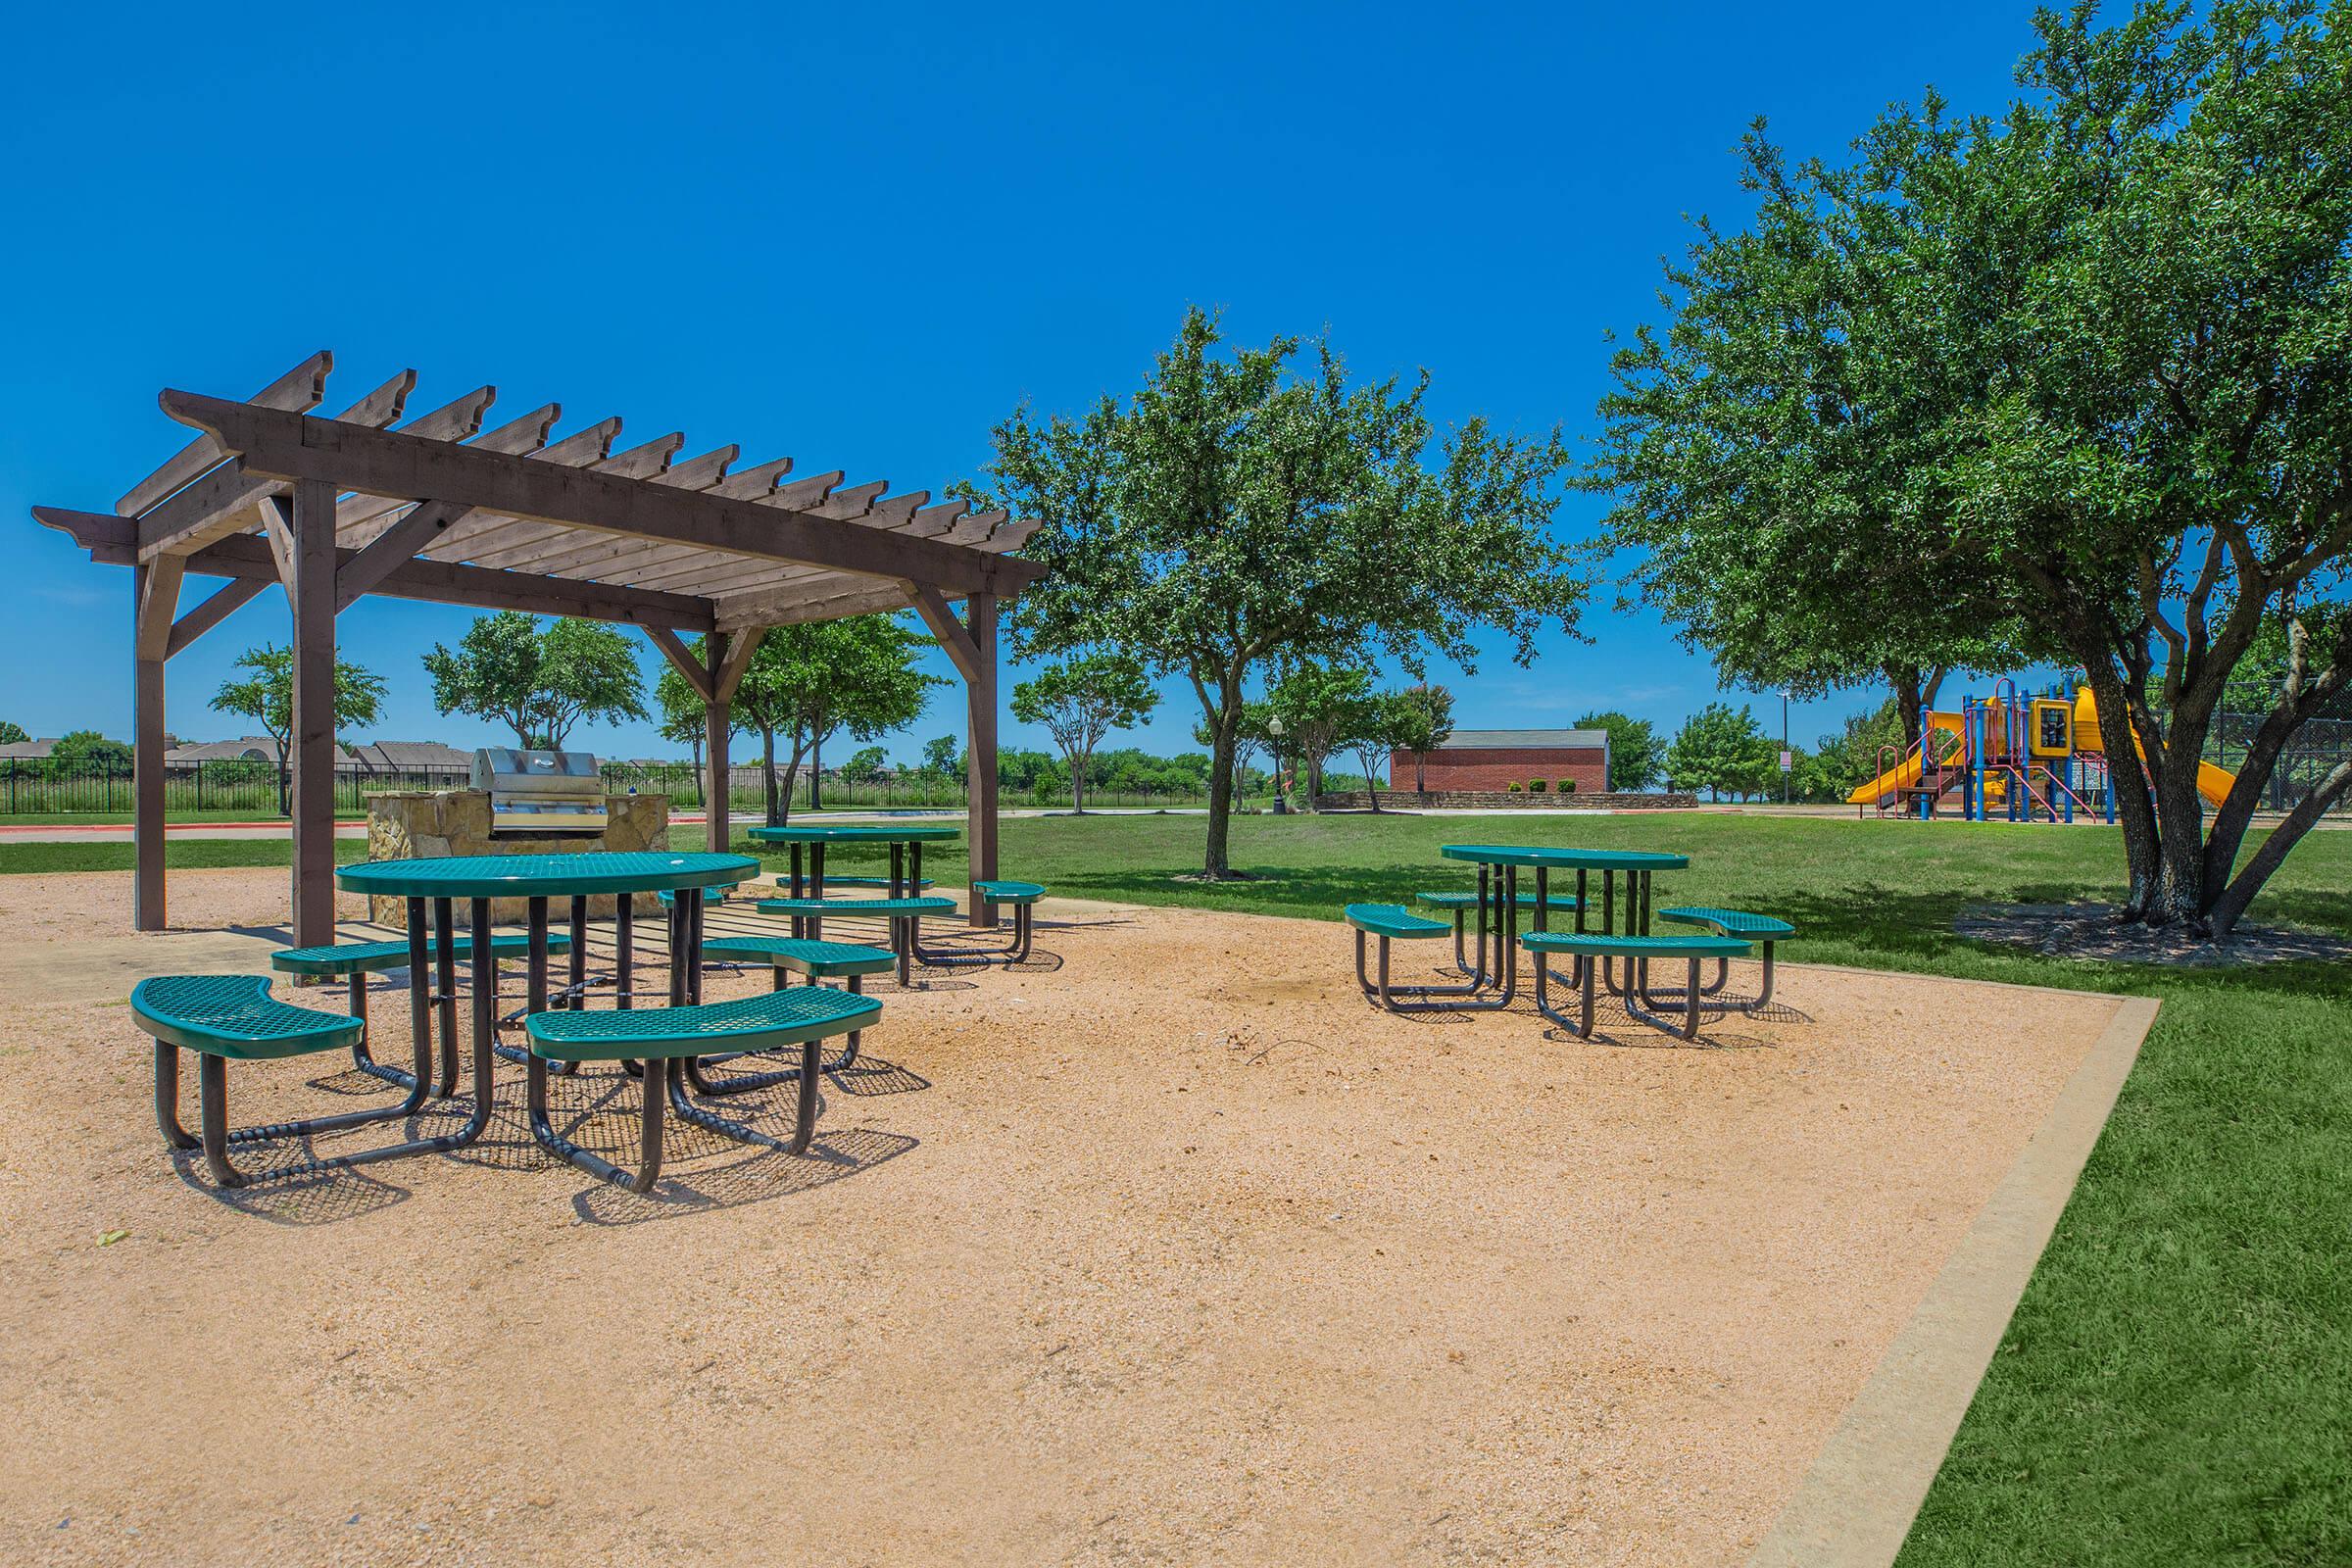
(2176,1385)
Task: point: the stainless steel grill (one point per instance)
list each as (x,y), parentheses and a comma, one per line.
(541,792)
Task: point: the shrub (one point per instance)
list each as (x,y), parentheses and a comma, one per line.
(1513,787)
(1535,786)
(1567,786)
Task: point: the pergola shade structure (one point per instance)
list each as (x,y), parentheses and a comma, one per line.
(513,516)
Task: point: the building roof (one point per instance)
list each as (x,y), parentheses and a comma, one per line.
(248,748)
(1521,739)
(392,755)
(20,751)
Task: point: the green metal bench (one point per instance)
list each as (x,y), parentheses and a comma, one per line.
(819,962)
(1394,922)
(903,916)
(1022,897)
(909,884)
(360,959)
(1762,929)
(1596,957)
(667,1041)
(234,1017)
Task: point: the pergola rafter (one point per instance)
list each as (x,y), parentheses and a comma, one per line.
(514,518)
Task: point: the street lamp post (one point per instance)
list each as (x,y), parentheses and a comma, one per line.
(1274,728)
(1785,759)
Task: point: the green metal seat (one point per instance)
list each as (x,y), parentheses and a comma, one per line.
(1594,944)
(233,1016)
(1597,956)
(1022,897)
(1730,922)
(917,885)
(371,958)
(1393,920)
(1762,929)
(870,908)
(904,917)
(668,1040)
(819,960)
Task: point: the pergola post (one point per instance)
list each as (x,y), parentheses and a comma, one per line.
(155,595)
(980,764)
(717,721)
(310,589)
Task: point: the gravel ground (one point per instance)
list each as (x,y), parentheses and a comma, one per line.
(1165,1248)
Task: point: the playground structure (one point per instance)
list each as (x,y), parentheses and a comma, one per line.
(2008,758)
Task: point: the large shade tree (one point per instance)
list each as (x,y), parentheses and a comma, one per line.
(1080,701)
(538,680)
(264,692)
(1246,503)
(2105,344)
(805,683)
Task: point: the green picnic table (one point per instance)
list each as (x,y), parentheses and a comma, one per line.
(1498,867)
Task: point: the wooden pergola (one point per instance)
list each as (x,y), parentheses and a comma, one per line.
(508,518)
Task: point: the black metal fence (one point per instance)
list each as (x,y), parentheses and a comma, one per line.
(239,786)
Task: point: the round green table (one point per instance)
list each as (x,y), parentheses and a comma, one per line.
(441,881)
(1498,867)
(905,842)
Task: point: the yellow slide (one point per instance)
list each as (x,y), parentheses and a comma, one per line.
(2213,783)
(1901,777)
(1904,773)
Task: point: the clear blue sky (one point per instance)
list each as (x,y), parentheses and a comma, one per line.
(860,236)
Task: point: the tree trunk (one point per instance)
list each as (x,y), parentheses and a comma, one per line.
(1910,703)
(1420,773)
(2228,902)
(1215,859)
(767,768)
(816,770)
(2134,803)
(1077,784)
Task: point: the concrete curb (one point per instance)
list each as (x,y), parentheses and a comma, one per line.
(1855,1507)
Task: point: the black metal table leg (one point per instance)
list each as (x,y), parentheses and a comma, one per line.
(445,986)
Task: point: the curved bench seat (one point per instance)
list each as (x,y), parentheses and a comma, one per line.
(1596,957)
(666,1040)
(372,957)
(233,1016)
(1390,921)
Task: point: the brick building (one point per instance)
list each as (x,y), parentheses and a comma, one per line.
(1497,758)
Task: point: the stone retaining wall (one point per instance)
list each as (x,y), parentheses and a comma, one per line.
(433,822)
(1500,800)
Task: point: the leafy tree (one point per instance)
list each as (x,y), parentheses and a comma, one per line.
(869,764)
(806,682)
(1080,702)
(12,733)
(1714,750)
(1636,756)
(88,748)
(2103,338)
(1243,505)
(1321,707)
(944,754)
(265,694)
(538,680)
(1421,721)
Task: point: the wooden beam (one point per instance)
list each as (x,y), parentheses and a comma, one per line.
(681,659)
(517,436)
(670,567)
(718,723)
(244,556)
(980,764)
(159,601)
(397,545)
(220,501)
(218,607)
(293,446)
(963,652)
(277,527)
(300,389)
(518,543)
(147,747)
(727,675)
(311,588)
